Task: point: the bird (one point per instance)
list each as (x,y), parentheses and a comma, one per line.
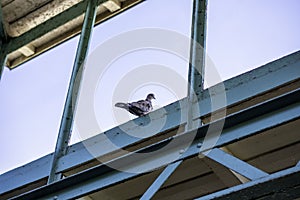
(138,108)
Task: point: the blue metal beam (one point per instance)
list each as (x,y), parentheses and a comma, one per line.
(161,179)
(238,126)
(236,164)
(65,129)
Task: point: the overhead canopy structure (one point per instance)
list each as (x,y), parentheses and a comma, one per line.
(33,27)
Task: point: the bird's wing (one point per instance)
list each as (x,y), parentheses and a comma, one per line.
(136,111)
(145,106)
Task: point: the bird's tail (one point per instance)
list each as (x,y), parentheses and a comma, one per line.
(122,105)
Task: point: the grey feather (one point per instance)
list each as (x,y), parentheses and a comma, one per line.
(138,108)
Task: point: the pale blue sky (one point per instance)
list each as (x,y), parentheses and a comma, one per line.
(241,35)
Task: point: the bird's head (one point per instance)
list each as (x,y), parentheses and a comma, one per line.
(150,96)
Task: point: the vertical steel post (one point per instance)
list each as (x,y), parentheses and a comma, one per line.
(197,56)
(68,113)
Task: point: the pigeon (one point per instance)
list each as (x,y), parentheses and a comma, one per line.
(139,108)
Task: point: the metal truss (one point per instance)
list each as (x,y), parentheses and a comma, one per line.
(272,75)
(241,125)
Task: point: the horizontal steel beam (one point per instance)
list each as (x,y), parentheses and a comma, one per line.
(281,185)
(241,125)
(240,88)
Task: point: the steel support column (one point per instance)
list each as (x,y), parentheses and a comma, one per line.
(161,179)
(197,56)
(236,164)
(68,113)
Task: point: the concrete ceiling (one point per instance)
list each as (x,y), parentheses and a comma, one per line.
(33,26)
